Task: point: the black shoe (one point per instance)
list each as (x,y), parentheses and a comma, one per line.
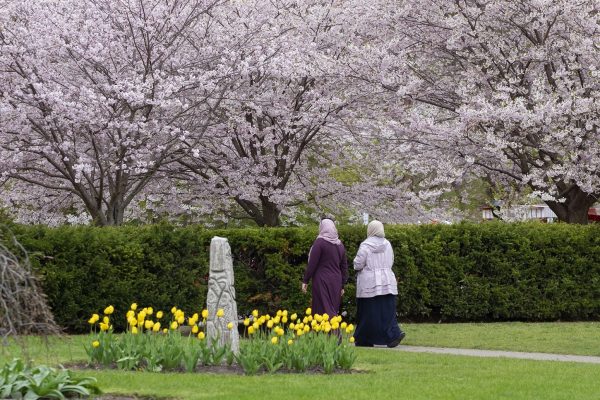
(396,342)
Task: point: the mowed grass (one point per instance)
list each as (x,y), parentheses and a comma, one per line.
(383,373)
(580,338)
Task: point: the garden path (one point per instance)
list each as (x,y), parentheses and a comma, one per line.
(500,354)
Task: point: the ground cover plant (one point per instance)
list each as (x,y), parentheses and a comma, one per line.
(20,381)
(284,341)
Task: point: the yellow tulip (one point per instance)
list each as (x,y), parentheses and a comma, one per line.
(276,320)
(325,317)
(262,319)
(343,325)
(308,311)
(201,335)
(247,322)
(230,326)
(141,316)
(195,329)
(94,319)
(180,319)
(165,330)
(95,343)
(109,310)
(134,330)
(294,316)
(270,324)
(280,332)
(318,318)
(148,324)
(173,310)
(255,326)
(278,313)
(351,339)
(255,313)
(290,342)
(204,314)
(292,325)
(327,328)
(156,327)
(250,330)
(130,314)
(174,325)
(284,319)
(220,312)
(149,311)
(159,315)
(105,320)
(284,313)
(134,306)
(334,325)
(267,317)
(274,340)
(132,321)
(306,329)
(104,326)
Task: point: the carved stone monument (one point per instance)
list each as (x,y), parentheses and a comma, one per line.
(221,295)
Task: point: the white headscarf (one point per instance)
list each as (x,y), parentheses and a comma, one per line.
(375,228)
(328,231)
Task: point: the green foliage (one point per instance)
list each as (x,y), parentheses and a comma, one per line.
(273,348)
(18,381)
(154,351)
(463,272)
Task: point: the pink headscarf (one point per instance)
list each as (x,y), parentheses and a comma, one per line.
(328,231)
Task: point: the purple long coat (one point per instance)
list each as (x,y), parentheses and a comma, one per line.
(328,269)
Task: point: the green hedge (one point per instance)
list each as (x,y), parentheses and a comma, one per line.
(462,272)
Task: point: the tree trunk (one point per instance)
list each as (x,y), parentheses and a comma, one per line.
(115,213)
(270,213)
(574,210)
(266,215)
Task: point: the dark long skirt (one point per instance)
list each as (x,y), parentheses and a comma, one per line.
(326,296)
(376,321)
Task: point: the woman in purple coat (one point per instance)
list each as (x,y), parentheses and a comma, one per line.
(328,269)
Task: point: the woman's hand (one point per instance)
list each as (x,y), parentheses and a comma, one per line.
(304,287)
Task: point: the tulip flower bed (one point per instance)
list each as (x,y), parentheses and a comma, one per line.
(284,342)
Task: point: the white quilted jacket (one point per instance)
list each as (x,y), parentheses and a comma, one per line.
(374,262)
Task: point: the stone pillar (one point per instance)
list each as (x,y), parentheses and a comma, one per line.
(221,295)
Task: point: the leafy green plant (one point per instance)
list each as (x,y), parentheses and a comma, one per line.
(18,381)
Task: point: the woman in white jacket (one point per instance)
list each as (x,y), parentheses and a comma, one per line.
(376,291)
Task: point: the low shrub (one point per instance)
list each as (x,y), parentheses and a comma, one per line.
(19,381)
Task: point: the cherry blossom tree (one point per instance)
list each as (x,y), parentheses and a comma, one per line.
(503,88)
(96,97)
(280,129)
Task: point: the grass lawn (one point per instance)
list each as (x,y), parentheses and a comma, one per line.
(581,338)
(386,374)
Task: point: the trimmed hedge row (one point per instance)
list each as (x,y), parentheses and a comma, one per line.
(462,272)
